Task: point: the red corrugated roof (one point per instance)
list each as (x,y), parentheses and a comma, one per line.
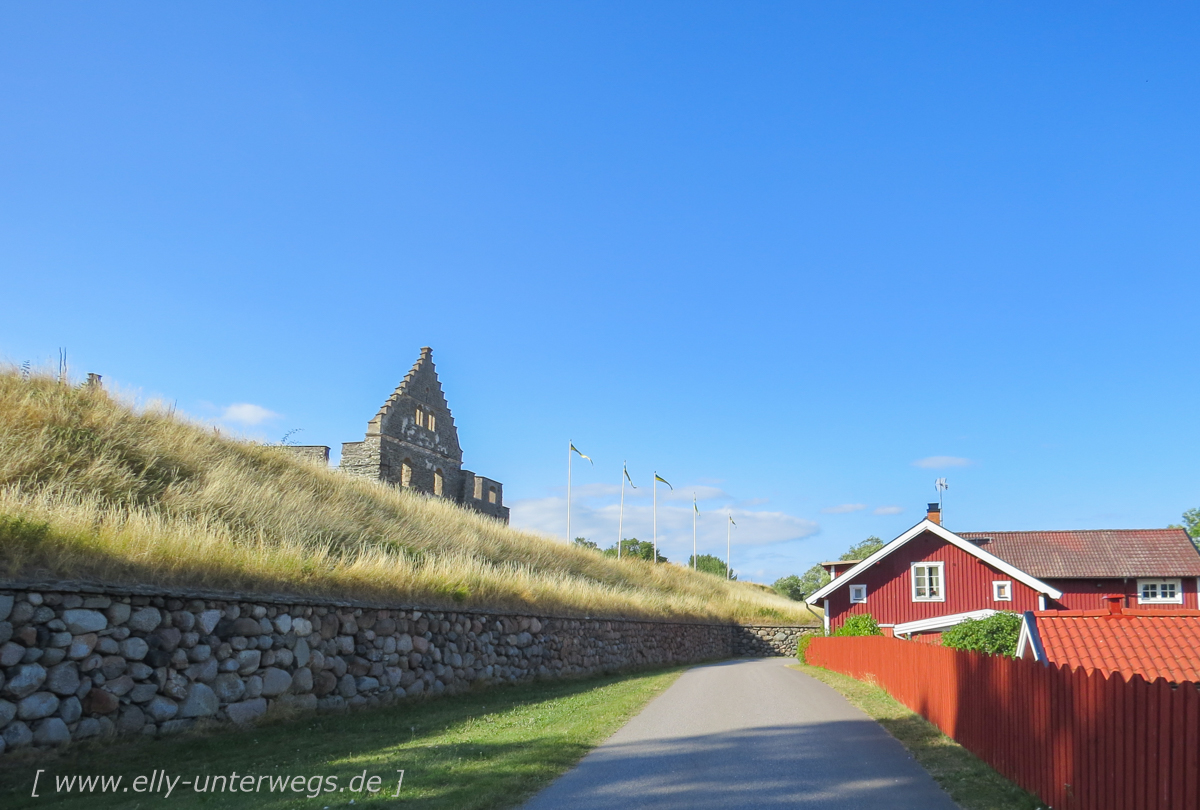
(1150,643)
(1094,553)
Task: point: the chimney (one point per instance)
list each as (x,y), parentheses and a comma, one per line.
(934,515)
(1115,603)
(93,380)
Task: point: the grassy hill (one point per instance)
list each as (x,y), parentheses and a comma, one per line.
(92,489)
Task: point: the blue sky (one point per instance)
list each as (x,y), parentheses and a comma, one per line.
(785,254)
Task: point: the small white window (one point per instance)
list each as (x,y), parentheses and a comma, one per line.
(1165,591)
(1002,590)
(858,594)
(431,422)
(927,582)
(420,418)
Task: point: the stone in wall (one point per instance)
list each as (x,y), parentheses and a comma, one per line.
(82,665)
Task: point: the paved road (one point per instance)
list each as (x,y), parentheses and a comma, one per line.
(747,734)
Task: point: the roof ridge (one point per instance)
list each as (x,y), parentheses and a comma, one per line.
(1072,531)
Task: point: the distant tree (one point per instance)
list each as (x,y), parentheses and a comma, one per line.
(817,577)
(813,579)
(995,635)
(711,565)
(583,542)
(860,624)
(791,587)
(860,551)
(632,547)
(1191,525)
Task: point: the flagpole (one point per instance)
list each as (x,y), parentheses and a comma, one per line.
(621,515)
(655,488)
(728,540)
(569,446)
(695,512)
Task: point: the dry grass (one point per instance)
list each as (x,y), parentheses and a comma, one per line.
(91,488)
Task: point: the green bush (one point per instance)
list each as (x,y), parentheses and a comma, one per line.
(802,647)
(995,635)
(632,547)
(710,564)
(861,624)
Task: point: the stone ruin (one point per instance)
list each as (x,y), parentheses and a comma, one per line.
(412,443)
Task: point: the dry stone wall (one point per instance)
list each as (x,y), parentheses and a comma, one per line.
(76,665)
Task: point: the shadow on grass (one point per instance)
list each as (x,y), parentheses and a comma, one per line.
(488,748)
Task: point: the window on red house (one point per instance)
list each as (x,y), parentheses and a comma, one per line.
(927,582)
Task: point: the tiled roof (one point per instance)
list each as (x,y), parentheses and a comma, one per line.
(1153,644)
(1094,553)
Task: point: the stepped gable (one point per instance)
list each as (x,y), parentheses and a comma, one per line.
(419,388)
(412,442)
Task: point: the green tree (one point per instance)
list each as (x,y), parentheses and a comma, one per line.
(790,587)
(995,635)
(860,624)
(711,565)
(860,551)
(1191,525)
(583,542)
(813,579)
(632,547)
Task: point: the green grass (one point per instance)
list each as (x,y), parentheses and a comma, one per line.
(970,781)
(93,488)
(485,749)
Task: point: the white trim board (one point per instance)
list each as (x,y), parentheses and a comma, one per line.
(951,538)
(940,622)
(1030,638)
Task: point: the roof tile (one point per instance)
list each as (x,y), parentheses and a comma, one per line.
(1094,553)
(1153,644)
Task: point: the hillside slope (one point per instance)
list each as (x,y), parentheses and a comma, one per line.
(91,489)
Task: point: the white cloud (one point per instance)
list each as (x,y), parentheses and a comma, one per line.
(680,493)
(598,522)
(245,413)
(887,510)
(844,509)
(940,462)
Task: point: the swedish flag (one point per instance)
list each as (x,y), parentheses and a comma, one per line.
(581,455)
(658,477)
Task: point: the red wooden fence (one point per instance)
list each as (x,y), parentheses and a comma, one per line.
(1079,741)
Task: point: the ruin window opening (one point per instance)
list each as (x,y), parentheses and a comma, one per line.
(406,473)
(420,417)
(431,422)
(491,494)
(438,484)
(479,489)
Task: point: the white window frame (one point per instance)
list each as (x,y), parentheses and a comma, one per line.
(861,591)
(1007,585)
(1158,582)
(912,575)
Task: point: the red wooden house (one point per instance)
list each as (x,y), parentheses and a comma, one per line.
(929,578)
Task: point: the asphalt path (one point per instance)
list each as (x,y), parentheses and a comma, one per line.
(747,734)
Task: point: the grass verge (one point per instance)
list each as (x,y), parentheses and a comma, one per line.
(970,781)
(487,749)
